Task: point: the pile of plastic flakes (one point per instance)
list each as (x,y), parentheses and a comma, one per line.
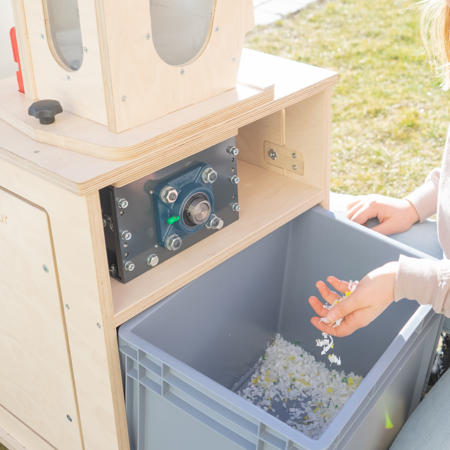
(290,384)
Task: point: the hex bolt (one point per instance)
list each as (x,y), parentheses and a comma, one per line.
(235,179)
(215,223)
(182,72)
(124,98)
(153,260)
(45,268)
(169,194)
(126,235)
(294,167)
(216,29)
(294,155)
(106,221)
(173,242)
(209,175)
(69,418)
(273,154)
(235,207)
(67,306)
(233,150)
(122,203)
(129,266)
(98,325)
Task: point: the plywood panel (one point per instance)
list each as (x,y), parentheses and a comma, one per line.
(37,386)
(80,92)
(89,329)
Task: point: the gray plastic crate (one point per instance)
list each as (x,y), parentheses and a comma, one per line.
(181,357)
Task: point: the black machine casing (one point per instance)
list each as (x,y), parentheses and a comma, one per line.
(140,215)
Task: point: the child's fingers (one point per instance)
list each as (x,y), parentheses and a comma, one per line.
(351,204)
(354,209)
(344,308)
(328,295)
(341,331)
(385,228)
(341,286)
(317,305)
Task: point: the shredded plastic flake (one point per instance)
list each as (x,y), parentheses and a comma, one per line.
(289,383)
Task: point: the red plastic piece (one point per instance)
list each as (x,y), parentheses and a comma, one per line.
(15,49)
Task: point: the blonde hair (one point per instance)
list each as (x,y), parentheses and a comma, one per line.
(435,31)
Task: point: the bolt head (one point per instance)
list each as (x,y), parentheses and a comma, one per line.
(153,260)
(233,150)
(68,77)
(294,155)
(209,175)
(147,36)
(216,29)
(273,154)
(215,223)
(86,50)
(233,59)
(236,207)
(129,266)
(45,268)
(126,235)
(169,194)
(235,179)
(69,418)
(42,36)
(182,72)
(113,269)
(173,242)
(122,203)
(294,167)
(124,98)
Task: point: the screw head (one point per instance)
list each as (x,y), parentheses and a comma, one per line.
(273,154)
(153,260)
(209,175)
(113,270)
(216,29)
(86,50)
(215,223)
(235,207)
(68,77)
(129,266)
(169,194)
(294,167)
(69,418)
(98,325)
(233,59)
(235,179)
(173,242)
(126,235)
(124,98)
(45,268)
(294,155)
(233,150)
(122,203)
(67,306)
(42,36)
(182,72)
(147,36)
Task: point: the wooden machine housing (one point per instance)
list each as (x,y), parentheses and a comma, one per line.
(123,81)
(60,309)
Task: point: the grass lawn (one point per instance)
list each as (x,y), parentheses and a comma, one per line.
(390,117)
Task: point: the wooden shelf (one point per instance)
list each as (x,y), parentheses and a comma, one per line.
(268,201)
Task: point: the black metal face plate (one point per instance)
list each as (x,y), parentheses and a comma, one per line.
(139,216)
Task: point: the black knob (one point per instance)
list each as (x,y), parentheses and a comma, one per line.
(45,110)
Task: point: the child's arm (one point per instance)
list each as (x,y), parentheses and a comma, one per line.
(397,216)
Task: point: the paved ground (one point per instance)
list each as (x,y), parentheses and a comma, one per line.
(268,11)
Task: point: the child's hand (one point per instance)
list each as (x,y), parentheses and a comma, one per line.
(395,215)
(374,293)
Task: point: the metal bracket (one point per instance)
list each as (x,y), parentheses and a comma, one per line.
(285,158)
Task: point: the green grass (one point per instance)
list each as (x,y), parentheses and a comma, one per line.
(2,447)
(390,117)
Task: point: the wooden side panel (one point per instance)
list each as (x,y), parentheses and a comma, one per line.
(80,92)
(90,331)
(251,138)
(143,87)
(36,384)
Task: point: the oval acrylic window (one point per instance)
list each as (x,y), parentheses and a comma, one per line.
(64,32)
(180,28)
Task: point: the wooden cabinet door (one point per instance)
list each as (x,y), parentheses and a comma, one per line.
(36,380)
